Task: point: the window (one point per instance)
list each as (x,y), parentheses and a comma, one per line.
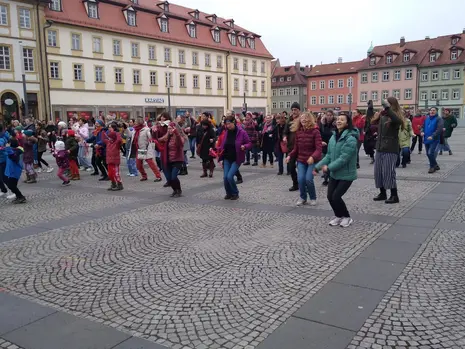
(242,41)
(406,57)
(322,99)
(220,83)
(340,99)
(92,9)
(455,94)
(195,58)
(313,86)
(54,70)
(262,67)
(349,98)
(192,31)
(453,55)
(455,41)
(245,65)
(424,95)
(167,54)
(219,61)
(322,85)
(168,81)
(408,93)
(233,40)
(386,76)
(182,80)
(208,82)
(164,25)
(456,73)
(434,95)
(331,84)
(216,35)
(363,96)
(374,95)
(195,81)
(424,76)
(445,94)
(435,75)
(263,86)
(252,44)
(350,82)
(408,74)
(364,78)
(98,74)
(118,75)
(52,38)
(116,47)
(236,84)
(55,5)
(397,75)
(3,15)
(340,83)
(281,92)
(385,95)
(152,53)
(389,59)
(131,18)
(313,100)
(274,93)
(136,77)
(236,64)
(28,58)
(396,94)
(246,85)
(288,104)
(153,78)
(77,71)
(295,91)
(274,105)
(288,91)
(134,49)
(372,61)
(97,45)
(254,85)
(75,42)
(330,99)
(445,75)
(281,105)
(432,57)
(374,77)
(254,66)
(182,57)
(25,18)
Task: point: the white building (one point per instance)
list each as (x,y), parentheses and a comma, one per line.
(117,59)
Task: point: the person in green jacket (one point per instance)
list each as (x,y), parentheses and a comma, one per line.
(341,162)
(405,140)
(450,122)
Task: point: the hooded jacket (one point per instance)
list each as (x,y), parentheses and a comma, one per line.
(307,143)
(113,142)
(4,137)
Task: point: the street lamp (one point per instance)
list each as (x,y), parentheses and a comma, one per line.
(23,74)
(244,106)
(350,100)
(168,83)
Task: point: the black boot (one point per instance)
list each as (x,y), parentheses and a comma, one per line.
(381,196)
(112,186)
(212,168)
(204,167)
(394,199)
(119,186)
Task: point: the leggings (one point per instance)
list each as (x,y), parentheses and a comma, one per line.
(12,184)
(102,165)
(41,161)
(270,156)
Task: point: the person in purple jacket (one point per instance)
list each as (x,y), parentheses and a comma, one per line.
(232,151)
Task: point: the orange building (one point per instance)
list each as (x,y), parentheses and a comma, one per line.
(331,86)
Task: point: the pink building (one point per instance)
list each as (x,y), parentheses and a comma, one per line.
(329,86)
(391,70)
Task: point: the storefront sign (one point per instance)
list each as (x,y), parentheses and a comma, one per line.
(154,100)
(183,111)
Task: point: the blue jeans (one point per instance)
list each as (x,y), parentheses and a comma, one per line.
(432,153)
(404,155)
(171,173)
(446,146)
(229,171)
(305,179)
(280,156)
(192,145)
(34,149)
(82,157)
(131,162)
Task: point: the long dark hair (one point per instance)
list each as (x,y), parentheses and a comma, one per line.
(350,123)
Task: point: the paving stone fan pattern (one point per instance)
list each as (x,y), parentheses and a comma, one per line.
(457,212)
(184,275)
(425,307)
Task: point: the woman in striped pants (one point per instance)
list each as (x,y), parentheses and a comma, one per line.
(387,149)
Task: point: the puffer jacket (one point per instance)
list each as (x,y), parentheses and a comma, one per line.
(307,143)
(145,138)
(405,135)
(113,142)
(449,124)
(4,137)
(72,146)
(251,128)
(173,146)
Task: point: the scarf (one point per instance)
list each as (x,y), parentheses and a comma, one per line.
(135,141)
(267,127)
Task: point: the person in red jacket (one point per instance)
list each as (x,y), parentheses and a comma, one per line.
(308,151)
(113,143)
(358,121)
(417,124)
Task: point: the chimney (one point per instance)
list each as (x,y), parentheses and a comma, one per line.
(426,37)
(339,60)
(402,41)
(463,31)
(297,65)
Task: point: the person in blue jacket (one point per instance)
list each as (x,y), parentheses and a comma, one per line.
(431,132)
(4,137)
(13,170)
(99,148)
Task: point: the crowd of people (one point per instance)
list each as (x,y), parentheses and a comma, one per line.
(303,144)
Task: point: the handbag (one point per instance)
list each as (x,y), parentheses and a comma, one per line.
(142,154)
(282,144)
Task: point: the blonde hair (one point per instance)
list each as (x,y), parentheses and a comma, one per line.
(296,122)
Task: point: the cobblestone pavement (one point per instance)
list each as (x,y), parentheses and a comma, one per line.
(425,307)
(457,212)
(8,345)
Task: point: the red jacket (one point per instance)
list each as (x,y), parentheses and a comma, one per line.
(113,142)
(307,143)
(173,147)
(359,123)
(417,124)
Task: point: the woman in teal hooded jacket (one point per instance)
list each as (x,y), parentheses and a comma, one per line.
(341,162)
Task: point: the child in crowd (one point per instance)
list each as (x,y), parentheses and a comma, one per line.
(405,139)
(4,138)
(14,169)
(113,144)
(28,156)
(61,156)
(72,147)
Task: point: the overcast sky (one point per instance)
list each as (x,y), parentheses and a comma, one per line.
(315,31)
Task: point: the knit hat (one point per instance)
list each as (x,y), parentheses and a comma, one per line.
(19,128)
(28,133)
(62,124)
(71,133)
(295,105)
(59,145)
(100,123)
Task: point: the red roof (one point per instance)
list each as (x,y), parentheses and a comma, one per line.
(111,18)
(298,75)
(443,45)
(335,68)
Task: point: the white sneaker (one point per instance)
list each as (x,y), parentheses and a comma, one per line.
(50,169)
(335,221)
(301,202)
(129,174)
(39,170)
(346,222)
(132,175)
(90,169)
(11,196)
(312,202)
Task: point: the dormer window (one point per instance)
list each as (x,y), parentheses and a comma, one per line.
(289,78)
(432,57)
(407,57)
(233,38)
(372,61)
(216,35)
(135,1)
(455,40)
(388,59)
(454,55)
(281,79)
(163,23)
(252,43)
(130,15)
(91,8)
(242,40)
(192,30)
(229,23)
(213,19)
(274,80)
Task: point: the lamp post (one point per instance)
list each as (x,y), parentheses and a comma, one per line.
(350,101)
(244,106)
(23,74)
(168,83)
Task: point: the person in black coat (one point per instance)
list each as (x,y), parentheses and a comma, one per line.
(206,138)
(327,126)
